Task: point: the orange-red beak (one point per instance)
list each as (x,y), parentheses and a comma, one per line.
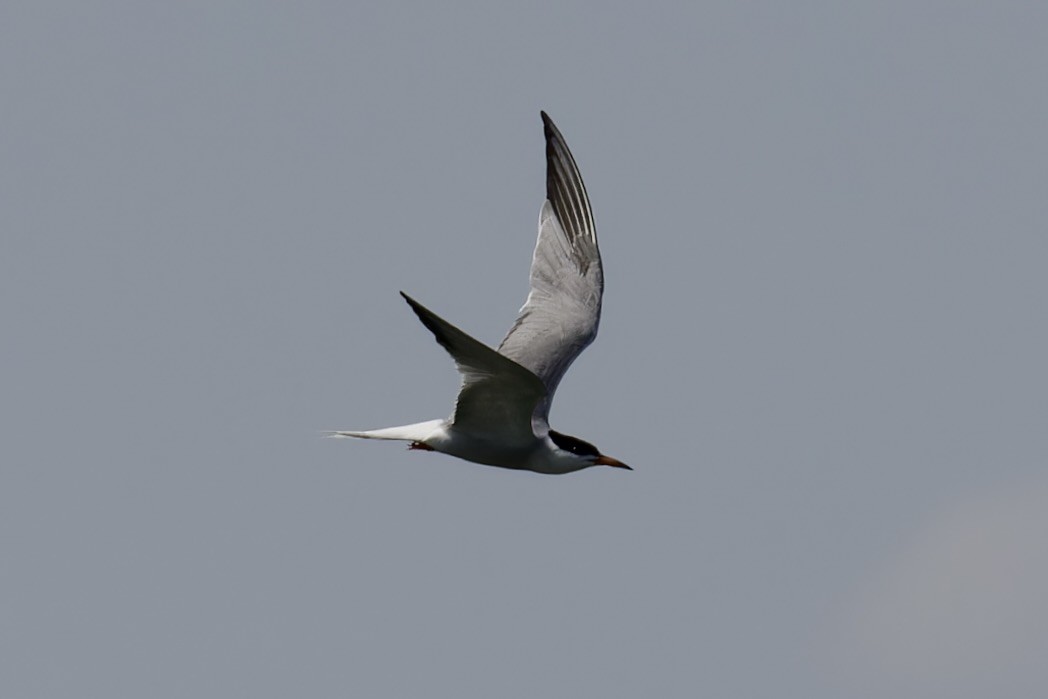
(608,461)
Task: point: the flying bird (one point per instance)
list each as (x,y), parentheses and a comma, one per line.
(501,415)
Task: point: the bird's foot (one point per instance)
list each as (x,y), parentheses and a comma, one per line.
(420,446)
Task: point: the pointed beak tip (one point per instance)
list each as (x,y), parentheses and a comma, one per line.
(608,461)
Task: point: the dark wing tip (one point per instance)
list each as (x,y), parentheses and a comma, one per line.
(554,138)
(425,315)
(417,307)
(547,122)
(565,189)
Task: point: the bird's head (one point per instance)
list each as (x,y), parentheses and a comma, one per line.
(583,453)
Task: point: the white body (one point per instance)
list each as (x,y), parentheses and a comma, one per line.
(542,456)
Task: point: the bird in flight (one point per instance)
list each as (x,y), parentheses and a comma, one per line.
(501,415)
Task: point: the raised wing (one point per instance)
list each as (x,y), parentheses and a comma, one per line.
(498,396)
(561,315)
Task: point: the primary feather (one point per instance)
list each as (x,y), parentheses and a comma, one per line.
(562,312)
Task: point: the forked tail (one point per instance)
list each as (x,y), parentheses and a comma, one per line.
(417,432)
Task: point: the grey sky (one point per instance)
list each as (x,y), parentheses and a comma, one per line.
(823,228)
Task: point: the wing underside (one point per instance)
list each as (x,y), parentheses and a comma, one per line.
(562,311)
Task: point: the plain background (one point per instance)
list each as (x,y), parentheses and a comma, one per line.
(823,349)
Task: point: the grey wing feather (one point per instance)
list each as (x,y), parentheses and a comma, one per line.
(562,312)
(498,396)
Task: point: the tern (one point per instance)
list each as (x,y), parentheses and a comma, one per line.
(501,415)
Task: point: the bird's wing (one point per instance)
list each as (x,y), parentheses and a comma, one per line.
(498,396)
(561,315)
